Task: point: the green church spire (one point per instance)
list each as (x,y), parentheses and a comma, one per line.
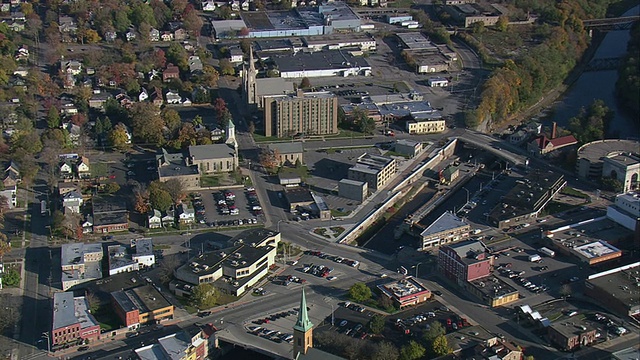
(303,324)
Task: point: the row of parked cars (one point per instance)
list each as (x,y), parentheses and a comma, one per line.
(517,277)
(356,331)
(275,317)
(226,202)
(253,201)
(353,307)
(337,259)
(198,207)
(273,335)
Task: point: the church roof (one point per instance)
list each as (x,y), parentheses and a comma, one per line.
(303,324)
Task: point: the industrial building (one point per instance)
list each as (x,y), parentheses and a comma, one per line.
(303,114)
(234,269)
(408,148)
(525,201)
(375,170)
(320,64)
(362,41)
(446,229)
(80,263)
(464,261)
(618,288)
(405,292)
(626,212)
(352,189)
(590,164)
(428,57)
(470,13)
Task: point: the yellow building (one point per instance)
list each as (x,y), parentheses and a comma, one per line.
(416,127)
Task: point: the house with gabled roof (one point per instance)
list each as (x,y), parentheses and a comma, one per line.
(186,215)
(11,175)
(154,219)
(171,72)
(168,219)
(82,168)
(542,145)
(154,35)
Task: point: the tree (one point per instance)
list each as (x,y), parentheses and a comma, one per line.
(94,302)
(252,127)
(386,351)
(178,7)
(305,83)
(376,324)
(159,197)
(171,119)
(359,292)
(226,67)
(193,23)
(611,184)
(176,54)
(204,296)
(140,203)
(11,278)
(53,118)
(175,188)
(89,36)
(440,346)
(103,126)
(146,123)
(366,125)
(434,331)
(503,23)
(412,351)
(565,291)
(112,188)
(478,27)
(118,137)
(386,303)
(269,159)
(5,247)
(210,76)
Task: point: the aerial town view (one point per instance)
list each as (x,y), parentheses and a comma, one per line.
(320,179)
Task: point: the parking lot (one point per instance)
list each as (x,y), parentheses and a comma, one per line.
(215,214)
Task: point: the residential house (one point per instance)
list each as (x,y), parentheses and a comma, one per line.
(98,99)
(542,145)
(87,225)
(167,36)
(185,214)
(82,168)
(208,6)
(287,153)
(74,130)
(110,36)
(180,35)
(195,64)
(10,193)
(16,26)
(156,97)
(154,35)
(71,202)
(235,5)
(67,24)
(66,170)
(168,219)
(236,54)
(22,54)
(154,219)
(173,97)
(130,35)
(66,187)
(171,72)
(21,71)
(144,95)
(69,109)
(186,102)
(11,175)
(72,67)
(245,5)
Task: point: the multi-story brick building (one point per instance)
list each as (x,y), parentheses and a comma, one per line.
(464,261)
(141,305)
(72,322)
(303,114)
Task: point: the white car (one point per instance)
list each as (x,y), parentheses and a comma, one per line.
(131,173)
(331,278)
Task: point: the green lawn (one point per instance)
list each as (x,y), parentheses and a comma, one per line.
(335,212)
(556,207)
(162,247)
(567,190)
(206,181)
(301,171)
(400,3)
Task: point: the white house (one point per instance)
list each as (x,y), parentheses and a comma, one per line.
(142,250)
(208,6)
(185,215)
(172,97)
(87,225)
(144,95)
(72,201)
(167,36)
(154,35)
(66,170)
(168,219)
(72,67)
(130,35)
(154,219)
(9,193)
(82,168)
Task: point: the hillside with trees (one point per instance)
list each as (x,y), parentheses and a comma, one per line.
(628,85)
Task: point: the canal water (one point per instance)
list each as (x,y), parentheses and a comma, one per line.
(601,85)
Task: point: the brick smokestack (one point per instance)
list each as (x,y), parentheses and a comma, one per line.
(554,130)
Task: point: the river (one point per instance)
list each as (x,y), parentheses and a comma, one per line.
(601,85)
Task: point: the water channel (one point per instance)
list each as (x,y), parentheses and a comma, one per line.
(601,85)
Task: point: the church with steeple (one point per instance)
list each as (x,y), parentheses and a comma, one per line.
(303,337)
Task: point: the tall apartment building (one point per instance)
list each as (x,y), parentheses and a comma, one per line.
(305,113)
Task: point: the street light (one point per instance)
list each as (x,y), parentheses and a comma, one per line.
(417,266)
(47,336)
(465,189)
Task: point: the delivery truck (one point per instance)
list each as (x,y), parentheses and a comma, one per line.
(535,258)
(547,251)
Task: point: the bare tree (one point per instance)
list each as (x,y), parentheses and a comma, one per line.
(167,265)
